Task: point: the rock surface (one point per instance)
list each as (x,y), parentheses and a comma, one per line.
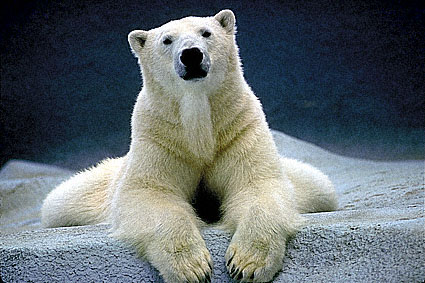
(377,234)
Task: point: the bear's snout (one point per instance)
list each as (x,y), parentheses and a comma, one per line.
(192,64)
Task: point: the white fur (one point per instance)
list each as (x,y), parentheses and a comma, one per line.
(212,129)
(195,114)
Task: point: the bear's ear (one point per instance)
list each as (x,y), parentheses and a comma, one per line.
(137,40)
(227,20)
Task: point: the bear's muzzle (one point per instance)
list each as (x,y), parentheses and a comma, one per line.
(192,64)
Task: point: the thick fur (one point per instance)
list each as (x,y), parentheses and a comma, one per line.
(211,129)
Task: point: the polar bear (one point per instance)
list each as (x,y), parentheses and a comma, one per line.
(195,121)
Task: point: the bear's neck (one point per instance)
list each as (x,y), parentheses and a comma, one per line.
(201,114)
(195,117)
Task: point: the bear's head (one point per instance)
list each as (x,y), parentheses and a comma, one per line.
(193,52)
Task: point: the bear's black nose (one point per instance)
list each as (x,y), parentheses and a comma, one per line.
(191,57)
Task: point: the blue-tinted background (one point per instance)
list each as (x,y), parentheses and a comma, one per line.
(345,75)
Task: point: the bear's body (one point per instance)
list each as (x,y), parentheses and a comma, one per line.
(195,120)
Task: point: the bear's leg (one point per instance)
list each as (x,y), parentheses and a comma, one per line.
(313,190)
(151,210)
(263,218)
(258,205)
(82,199)
(163,227)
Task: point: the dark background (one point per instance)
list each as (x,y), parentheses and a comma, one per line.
(345,75)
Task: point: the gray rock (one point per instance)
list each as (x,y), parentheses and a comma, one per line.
(376,236)
(23,187)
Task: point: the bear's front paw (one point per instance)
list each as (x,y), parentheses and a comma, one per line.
(257,260)
(189,267)
(184,264)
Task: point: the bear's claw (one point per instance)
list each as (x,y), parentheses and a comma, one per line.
(193,265)
(251,265)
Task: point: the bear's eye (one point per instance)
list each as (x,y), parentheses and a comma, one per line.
(167,41)
(206,34)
